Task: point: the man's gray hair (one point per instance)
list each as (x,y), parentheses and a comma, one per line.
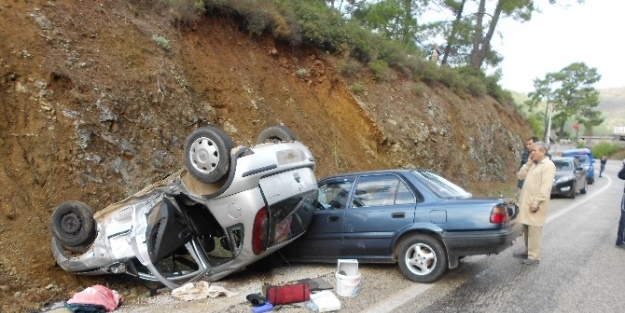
(542,146)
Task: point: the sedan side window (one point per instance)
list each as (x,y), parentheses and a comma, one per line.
(334,194)
(381,190)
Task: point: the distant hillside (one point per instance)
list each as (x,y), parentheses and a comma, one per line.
(611,104)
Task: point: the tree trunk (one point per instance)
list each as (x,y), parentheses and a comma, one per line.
(451,40)
(477,31)
(477,57)
(405,31)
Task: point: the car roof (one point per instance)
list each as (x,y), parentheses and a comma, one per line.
(574,151)
(563,159)
(385,171)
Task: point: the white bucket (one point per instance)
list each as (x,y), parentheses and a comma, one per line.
(347,286)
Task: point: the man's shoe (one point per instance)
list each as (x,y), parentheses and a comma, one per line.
(520,255)
(621,245)
(530,262)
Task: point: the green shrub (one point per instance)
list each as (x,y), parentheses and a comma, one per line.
(301,73)
(419,90)
(536,124)
(425,71)
(475,85)
(358,88)
(350,68)
(380,70)
(186,11)
(161,42)
(604,148)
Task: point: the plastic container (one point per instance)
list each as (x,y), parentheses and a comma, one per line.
(347,278)
(347,286)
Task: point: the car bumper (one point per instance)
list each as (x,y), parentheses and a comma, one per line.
(562,188)
(480,242)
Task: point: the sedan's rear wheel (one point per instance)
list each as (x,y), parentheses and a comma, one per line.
(422,259)
(207,154)
(73,224)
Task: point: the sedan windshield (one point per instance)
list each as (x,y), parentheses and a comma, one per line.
(583,159)
(563,165)
(440,186)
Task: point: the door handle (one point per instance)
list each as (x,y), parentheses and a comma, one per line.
(333,218)
(398,215)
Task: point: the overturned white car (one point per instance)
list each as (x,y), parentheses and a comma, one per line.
(226,209)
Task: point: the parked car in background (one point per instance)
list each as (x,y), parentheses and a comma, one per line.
(585,157)
(229,207)
(570,177)
(415,218)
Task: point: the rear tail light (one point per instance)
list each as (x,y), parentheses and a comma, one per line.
(259,233)
(499,215)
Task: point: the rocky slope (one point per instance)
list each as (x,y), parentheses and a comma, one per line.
(93,109)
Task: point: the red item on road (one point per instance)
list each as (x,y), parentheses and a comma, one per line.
(97,295)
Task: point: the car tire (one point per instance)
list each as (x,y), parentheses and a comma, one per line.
(422,258)
(73,225)
(277,133)
(207,154)
(591,180)
(573,191)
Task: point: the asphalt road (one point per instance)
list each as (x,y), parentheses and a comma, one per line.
(580,271)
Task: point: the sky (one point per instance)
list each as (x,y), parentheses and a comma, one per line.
(559,36)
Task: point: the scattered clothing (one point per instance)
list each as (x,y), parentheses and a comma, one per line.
(200,290)
(97,295)
(86,308)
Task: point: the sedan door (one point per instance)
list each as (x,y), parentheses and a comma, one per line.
(324,238)
(380,205)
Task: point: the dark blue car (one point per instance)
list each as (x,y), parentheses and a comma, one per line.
(415,218)
(585,157)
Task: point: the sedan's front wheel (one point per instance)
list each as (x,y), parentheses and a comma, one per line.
(422,259)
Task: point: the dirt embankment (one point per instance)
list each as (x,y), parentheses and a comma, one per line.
(93,109)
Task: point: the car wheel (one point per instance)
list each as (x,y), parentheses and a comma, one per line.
(422,259)
(591,180)
(276,133)
(73,224)
(207,154)
(573,191)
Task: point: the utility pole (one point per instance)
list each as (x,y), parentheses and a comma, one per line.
(548,124)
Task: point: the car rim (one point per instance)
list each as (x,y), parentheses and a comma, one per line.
(420,259)
(204,155)
(71,223)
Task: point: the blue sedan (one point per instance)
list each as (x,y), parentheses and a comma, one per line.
(415,218)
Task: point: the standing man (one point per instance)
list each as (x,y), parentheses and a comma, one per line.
(524,157)
(620,234)
(538,174)
(604,160)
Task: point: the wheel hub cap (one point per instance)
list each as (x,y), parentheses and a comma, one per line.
(204,155)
